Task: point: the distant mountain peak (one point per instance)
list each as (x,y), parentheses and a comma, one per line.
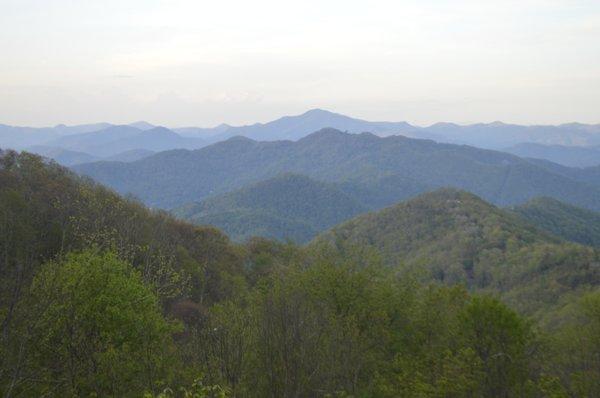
(318,111)
(326,133)
(142,125)
(444,125)
(239,138)
(160,130)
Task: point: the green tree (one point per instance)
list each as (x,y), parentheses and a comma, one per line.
(578,353)
(500,340)
(101,331)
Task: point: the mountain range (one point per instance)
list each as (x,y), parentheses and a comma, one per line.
(298,208)
(571,144)
(496,135)
(443,287)
(80,144)
(117,139)
(385,170)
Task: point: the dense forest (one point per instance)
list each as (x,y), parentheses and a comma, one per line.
(286,207)
(297,208)
(561,219)
(454,237)
(101,296)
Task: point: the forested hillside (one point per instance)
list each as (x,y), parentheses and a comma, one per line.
(289,206)
(568,222)
(103,297)
(454,237)
(174,178)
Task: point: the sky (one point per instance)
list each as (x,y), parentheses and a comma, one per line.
(200,63)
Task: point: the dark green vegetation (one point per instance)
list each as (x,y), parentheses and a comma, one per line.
(289,206)
(365,161)
(101,296)
(568,222)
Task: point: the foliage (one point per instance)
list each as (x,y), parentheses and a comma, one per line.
(454,237)
(98,330)
(578,349)
(289,206)
(100,295)
(563,220)
(197,390)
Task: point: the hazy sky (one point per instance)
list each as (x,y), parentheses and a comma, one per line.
(177,63)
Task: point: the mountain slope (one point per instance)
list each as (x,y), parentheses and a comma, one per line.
(571,156)
(62,156)
(131,155)
(87,142)
(117,139)
(155,139)
(173,178)
(587,175)
(285,207)
(454,237)
(498,135)
(568,222)
(16,137)
(48,211)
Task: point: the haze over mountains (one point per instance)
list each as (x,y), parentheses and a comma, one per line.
(373,164)
(496,135)
(566,144)
(216,234)
(572,156)
(173,178)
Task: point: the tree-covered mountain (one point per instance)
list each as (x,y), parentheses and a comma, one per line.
(285,207)
(587,175)
(399,164)
(571,156)
(100,296)
(561,219)
(130,156)
(455,237)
